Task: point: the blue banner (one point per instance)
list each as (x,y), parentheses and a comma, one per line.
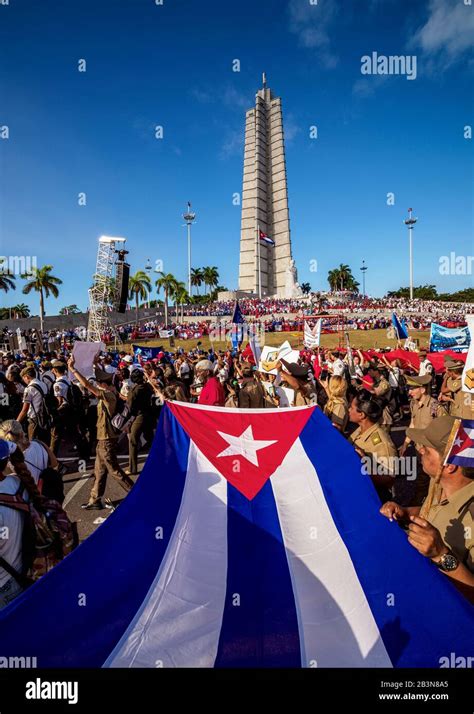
(146,352)
(442,338)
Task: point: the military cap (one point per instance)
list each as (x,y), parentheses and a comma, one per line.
(102,376)
(297,370)
(455,365)
(418,381)
(435,435)
(58,363)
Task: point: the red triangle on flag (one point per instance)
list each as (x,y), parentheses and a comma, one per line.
(245,446)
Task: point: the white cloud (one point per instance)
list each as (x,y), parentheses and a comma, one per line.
(310,23)
(232,98)
(228,95)
(446,35)
(367,86)
(233,144)
(291,128)
(201,96)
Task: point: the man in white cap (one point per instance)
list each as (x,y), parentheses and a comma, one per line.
(212,392)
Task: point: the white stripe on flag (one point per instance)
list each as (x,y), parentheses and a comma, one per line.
(180,620)
(337,628)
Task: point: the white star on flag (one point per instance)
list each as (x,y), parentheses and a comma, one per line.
(468,451)
(244,445)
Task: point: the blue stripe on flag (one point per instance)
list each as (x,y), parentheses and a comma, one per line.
(260,627)
(75,615)
(420,615)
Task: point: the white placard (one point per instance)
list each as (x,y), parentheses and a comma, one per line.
(84,353)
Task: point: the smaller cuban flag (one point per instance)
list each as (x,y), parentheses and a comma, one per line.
(400,328)
(462,449)
(237,332)
(265,238)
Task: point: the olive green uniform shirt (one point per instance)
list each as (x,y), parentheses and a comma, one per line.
(106,406)
(376,441)
(423,411)
(453,517)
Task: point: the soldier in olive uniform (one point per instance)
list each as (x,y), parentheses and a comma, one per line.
(372,442)
(423,409)
(443,529)
(383,391)
(459,403)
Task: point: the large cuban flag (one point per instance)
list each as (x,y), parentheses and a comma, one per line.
(251,539)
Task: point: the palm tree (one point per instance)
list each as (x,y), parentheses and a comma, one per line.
(167,281)
(20,310)
(181,297)
(345,275)
(210,276)
(139,285)
(43,283)
(341,278)
(7,282)
(352,284)
(69,310)
(196,278)
(333,279)
(306,288)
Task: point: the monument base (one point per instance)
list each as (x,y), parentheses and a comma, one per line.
(227,295)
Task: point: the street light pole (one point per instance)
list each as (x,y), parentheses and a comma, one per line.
(410,222)
(363,269)
(189,217)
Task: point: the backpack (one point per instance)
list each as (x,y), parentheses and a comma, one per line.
(122,419)
(74,397)
(44,417)
(48,536)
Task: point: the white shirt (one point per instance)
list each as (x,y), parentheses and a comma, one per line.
(358,371)
(11,530)
(337,367)
(221,373)
(36,458)
(394,377)
(34,396)
(61,386)
(127,384)
(425,368)
(48,379)
(183,369)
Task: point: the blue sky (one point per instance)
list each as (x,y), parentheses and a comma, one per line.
(171,65)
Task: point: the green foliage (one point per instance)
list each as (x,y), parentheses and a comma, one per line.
(341,278)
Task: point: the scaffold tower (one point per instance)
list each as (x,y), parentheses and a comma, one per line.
(102,292)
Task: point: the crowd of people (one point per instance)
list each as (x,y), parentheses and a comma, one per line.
(276,314)
(47,404)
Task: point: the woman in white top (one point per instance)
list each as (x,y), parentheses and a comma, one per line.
(11,522)
(38,455)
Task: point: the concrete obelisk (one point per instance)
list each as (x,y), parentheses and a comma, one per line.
(265,203)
